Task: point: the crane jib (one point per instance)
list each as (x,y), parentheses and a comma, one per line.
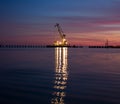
(63,41)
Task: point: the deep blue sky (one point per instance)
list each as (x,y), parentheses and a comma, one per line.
(83,21)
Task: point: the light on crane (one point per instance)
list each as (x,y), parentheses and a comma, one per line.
(63,41)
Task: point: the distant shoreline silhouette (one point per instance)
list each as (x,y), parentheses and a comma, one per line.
(52,46)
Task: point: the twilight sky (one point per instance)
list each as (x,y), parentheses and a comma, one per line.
(85,22)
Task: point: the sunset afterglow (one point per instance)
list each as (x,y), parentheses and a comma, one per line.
(85,22)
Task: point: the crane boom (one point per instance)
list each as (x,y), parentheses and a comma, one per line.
(62,35)
(63,41)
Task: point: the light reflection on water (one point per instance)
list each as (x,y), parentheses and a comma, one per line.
(40,76)
(61,76)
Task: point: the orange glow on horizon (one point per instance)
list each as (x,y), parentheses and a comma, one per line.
(85,39)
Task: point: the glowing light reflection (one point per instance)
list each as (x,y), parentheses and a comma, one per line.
(61,76)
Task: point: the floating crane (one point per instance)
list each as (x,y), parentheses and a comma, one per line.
(63,41)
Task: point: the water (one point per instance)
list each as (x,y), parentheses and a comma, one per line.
(60,76)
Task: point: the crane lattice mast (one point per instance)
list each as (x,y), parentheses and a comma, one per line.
(62,35)
(63,41)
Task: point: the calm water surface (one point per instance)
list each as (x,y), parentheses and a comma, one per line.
(60,76)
